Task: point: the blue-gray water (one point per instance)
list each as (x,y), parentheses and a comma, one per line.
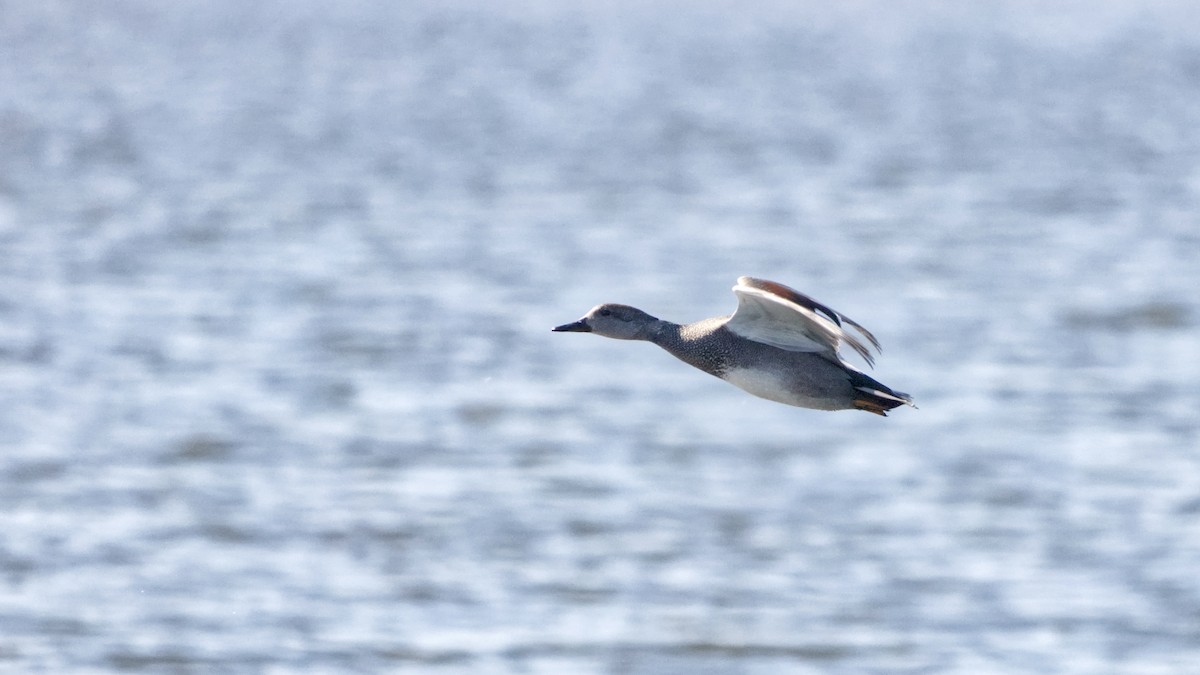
(278,391)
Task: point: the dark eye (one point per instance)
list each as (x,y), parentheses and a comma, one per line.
(606,312)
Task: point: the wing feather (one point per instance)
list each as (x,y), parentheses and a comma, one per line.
(782,317)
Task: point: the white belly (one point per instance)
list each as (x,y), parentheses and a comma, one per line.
(772,386)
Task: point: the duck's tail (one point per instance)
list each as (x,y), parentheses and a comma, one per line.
(875,397)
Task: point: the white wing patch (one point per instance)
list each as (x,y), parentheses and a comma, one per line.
(774,320)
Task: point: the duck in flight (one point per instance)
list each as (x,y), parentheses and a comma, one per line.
(779,345)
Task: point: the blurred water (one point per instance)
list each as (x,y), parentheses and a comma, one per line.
(280,395)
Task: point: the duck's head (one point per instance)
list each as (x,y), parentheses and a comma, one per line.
(620,322)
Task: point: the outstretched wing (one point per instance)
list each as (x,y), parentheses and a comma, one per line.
(782,317)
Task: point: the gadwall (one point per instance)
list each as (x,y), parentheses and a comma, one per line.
(779,345)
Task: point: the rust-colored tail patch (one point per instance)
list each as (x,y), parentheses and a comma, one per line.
(872,407)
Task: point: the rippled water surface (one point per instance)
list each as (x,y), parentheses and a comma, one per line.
(279,392)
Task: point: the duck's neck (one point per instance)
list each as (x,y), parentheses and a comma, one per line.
(697,344)
(674,338)
(665,334)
